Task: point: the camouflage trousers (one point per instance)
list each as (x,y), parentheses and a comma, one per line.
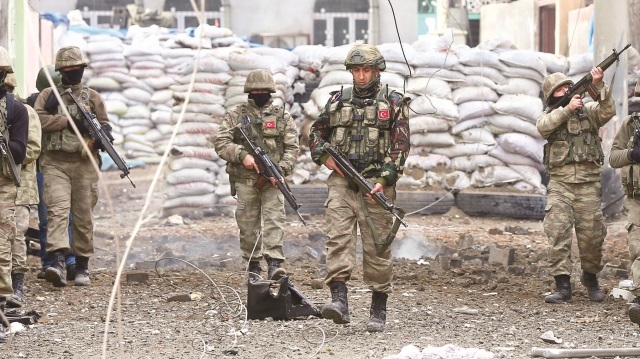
(346,212)
(261,218)
(19,245)
(633,242)
(70,186)
(7,231)
(569,206)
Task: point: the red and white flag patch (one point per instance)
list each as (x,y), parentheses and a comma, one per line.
(383,114)
(270,124)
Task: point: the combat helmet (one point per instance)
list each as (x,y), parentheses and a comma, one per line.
(42,82)
(365,54)
(553,82)
(259,79)
(5,61)
(69,56)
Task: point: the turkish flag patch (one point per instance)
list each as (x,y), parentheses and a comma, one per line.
(383,114)
(270,124)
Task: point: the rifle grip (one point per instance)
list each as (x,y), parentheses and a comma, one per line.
(260,183)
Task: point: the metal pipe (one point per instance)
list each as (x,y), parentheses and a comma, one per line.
(584,353)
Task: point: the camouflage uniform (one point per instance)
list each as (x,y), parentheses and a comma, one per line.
(70,180)
(370,126)
(573,156)
(621,157)
(14,127)
(260,215)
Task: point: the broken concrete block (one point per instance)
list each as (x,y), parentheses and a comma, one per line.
(180,297)
(505,257)
(622,294)
(137,277)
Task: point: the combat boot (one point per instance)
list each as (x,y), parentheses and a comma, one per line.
(17,299)
(254,271)
(590,281)
(56,274)
(378,312)
(634,311)
(3,335)
(563,290)
(338,309)
(71,272)
(274,271)
(82,271)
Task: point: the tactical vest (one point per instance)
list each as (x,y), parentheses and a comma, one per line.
(267,132)
(65,139)
(630,174)
(576,141)
(361,130)
(4,129)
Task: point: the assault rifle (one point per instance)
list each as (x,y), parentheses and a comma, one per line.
(102,139)
(8,158)
(363,185)
(269,170)
(581,86)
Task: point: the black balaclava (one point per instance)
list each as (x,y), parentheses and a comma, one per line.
(3,87)
(554,100)
(260,99)
(367,90)
(72,77)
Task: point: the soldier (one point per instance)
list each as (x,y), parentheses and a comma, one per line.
(573,156)
(369,123)
(14,126)
(70,259)
(70,180)
(260,213)
(625,154)
(26,198)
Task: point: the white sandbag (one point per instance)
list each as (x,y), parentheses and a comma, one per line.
(321,95)
(522,144)
(199,201)
(191,175)
(285,56)
(493,175)
(250,61)
(147,65)
(205,77)
(511,158)
(507,123)
(189,189)
(161,117)
(478,58)
(523,58)
(223,190)
(159,83)
(463,149)
(456,180)
(476,135)
(116,106)
(208,64)
(106,56)
(393,51)
(467,124)
(103,83)
(108,64)
(137,95)
(400,68)
(519,86)
(185,40)
(153,135)
(310,55)
(179,163)
(137,147)
(199,97)
(210,109)
(426,124)
(475,81)
(429,86)
(473,93)
(471,163)
(211,31)
(198,127)
(161,96)
(427,162)
(442,74)
(474,109)
(523,72)
(523,106)
(433,106)
(434,59)
(142,129)
(580,63)
(100,47)
(391,79)
(432,139)
(125,123)
(147,57)
(553,62)
(529,174)
(197,152)
(137,111)
(200,87)
(340,77)
(489,72)
(146,73)
(189,140)
(118,76)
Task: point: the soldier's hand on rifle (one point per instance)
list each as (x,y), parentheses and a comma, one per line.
(80,125)
(250,163)
(331,164)
(634,154)
(597,74)
(274,183)
(575,103)
(376,188)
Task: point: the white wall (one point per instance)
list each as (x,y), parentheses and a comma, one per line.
(519,26)
(271,16)
(406,16)
(62,6)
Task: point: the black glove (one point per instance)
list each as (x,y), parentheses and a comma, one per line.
(80,125)
(51,105)
(634,154)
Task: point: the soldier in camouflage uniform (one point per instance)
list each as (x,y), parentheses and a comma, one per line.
(573,156)
(26,199)
(260,213)
(625,154)
(369,123)
(70,180)
(14,126)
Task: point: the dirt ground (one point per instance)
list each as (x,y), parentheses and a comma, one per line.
(445,291)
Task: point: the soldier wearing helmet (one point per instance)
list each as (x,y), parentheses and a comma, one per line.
(260,213)
(14,128)
(26,198)
(625,154)
(68,174)
(573,157)
(369,124)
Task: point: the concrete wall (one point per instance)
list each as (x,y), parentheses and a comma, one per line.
(518,26)
(406,17)
(62,6)
(271,16)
